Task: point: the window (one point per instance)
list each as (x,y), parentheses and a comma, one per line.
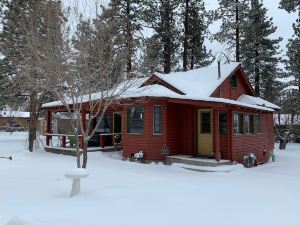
(223,123)
(258,124)
(233,81)
(249,124)
(135,120)
(157,120)
(205,122)
(238,123)
(105,123)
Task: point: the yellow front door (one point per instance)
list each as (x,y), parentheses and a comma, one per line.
(205,132)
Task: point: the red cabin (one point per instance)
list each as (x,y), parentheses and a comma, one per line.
(206,112)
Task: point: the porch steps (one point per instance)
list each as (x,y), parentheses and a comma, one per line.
(72,151)
(195,161)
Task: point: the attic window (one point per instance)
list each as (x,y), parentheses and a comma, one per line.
(233,81)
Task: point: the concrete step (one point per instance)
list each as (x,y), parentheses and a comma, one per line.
(190,160)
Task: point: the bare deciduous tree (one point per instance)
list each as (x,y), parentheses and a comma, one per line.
(92,79)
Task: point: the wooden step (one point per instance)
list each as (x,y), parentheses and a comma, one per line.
(190,160)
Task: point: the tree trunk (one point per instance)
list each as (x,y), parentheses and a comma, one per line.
(85,157)
(185,42)
(77,150)
(129,38)
(257,75)
(237,32)
(282,144)
(34,113)
(192,58)
(167,37)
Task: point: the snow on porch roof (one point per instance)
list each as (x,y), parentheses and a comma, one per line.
(257,101)
(199,82)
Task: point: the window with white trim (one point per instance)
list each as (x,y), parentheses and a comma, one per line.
(258,124)
(157,119)
(238,123)
(249,124)
(135,120)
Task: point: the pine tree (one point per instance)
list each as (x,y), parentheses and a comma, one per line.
(12,39)
(162,17)
(126,16)
(194,17)
(152,57)
(30,45)
(233,14)
(290,5)
(259,52)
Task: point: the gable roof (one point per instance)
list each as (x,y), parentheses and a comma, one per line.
(195,85)
(199,82)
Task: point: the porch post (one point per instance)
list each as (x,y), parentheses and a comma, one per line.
(230,132)
(48,127)
(217,135)
(83,121)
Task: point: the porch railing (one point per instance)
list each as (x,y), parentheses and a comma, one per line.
(63,138)
(112,135)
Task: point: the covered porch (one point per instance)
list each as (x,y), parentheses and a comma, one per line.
(199,130)
(60,137)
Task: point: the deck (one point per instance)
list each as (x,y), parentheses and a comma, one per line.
(72,151)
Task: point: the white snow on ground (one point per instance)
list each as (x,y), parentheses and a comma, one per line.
(35,191)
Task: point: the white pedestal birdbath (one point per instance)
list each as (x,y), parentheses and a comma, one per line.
(76,175)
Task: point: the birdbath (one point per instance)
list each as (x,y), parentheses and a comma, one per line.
(76,175)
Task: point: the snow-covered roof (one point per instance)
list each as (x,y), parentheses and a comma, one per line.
(197,85)
(131,86)
(19,114)
(157,90)
(256,101)
(199,82)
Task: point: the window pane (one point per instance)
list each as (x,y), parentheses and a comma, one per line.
(233,81)
(251,127)
(258,124)
(249,124)
(135,117)
(223,123)
(105,123)
(241,124)
(238,123)
(157,120)
(205,122)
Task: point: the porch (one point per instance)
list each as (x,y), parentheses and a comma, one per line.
(62,144)
(60,137)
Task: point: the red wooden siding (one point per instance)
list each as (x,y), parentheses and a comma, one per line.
(148,142)
(232,92)
(260,145)
(181,126)
(224,140)
(178,132)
